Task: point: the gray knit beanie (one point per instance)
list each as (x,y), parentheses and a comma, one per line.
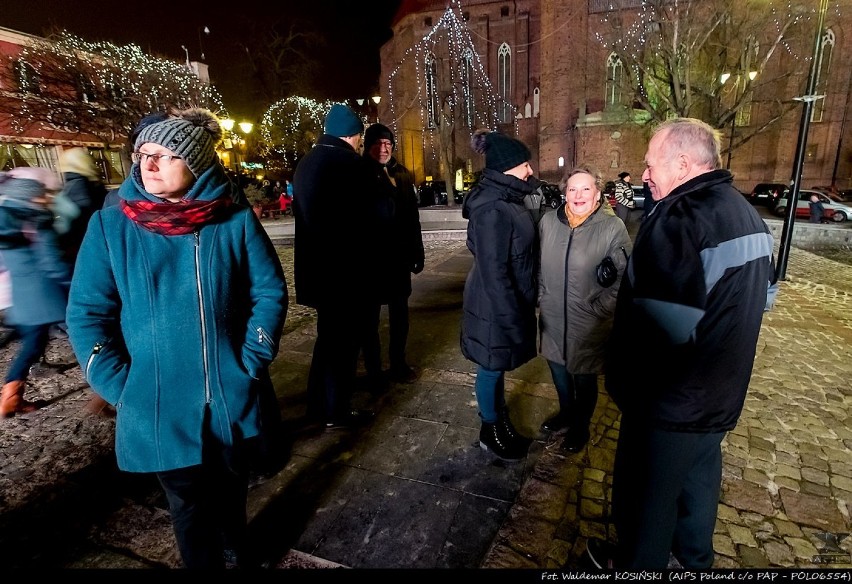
(192,134)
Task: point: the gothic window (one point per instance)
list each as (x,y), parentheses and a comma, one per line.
(536,101)
(823,72)
(614,81)
(432,109)
(504,82)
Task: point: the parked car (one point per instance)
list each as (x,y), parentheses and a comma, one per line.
(434,192)
(638,195)
(832,193)
(837,212)
(765,194)
(552,196)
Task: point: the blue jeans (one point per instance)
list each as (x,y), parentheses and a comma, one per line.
(490,393)
(34,339)
(578,395)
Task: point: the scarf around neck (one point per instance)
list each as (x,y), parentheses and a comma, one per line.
(575,220)
(173,218)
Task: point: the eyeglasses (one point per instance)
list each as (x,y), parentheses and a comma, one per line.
(157,158)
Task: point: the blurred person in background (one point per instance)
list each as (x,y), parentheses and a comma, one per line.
(623,197)
(176,311)
(817,209)
(83,194)
(40,276)
(85,189)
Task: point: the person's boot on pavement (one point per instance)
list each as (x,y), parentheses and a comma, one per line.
(12,400)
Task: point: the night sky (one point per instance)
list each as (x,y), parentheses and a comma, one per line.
(354,31)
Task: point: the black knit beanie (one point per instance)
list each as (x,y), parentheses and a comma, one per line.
(375,133)
(501,152)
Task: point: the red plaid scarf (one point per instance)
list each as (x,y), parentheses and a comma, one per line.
(173,218)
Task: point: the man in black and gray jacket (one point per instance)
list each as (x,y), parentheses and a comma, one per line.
(694,293)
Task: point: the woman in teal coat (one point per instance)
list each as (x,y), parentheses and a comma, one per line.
(175,312)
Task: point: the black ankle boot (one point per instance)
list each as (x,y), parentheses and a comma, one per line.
(492,438)
(575,440)
(513,437)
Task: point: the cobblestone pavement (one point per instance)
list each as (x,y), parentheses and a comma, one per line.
(787,484)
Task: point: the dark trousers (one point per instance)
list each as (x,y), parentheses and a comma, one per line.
(623,212)
(398,335)
(665,496)
(34,339)
(335,358)
(371,344)
(578,395)
(207,504)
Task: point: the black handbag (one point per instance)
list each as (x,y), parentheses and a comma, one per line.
(606,271)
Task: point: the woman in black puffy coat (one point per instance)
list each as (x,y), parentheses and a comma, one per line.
(499,323)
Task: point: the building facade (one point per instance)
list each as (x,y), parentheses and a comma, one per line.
(39,138)
(553,83)
(40,144)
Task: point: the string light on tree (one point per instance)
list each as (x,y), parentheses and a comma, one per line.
(115,86)
(448,41)
(289,128)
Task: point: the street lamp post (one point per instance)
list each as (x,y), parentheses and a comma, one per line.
(376,99)
(238,143)
(808,106)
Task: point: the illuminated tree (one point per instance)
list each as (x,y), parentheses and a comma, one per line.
(67,84)
(712,60)
(289,129)
(453,95)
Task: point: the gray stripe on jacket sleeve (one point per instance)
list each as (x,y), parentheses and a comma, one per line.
(733,254)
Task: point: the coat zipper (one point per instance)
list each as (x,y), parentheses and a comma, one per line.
(565,300)
(204,348)
(95,352)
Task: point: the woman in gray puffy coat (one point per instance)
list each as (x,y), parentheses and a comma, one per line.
(577,298)
(498,323)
